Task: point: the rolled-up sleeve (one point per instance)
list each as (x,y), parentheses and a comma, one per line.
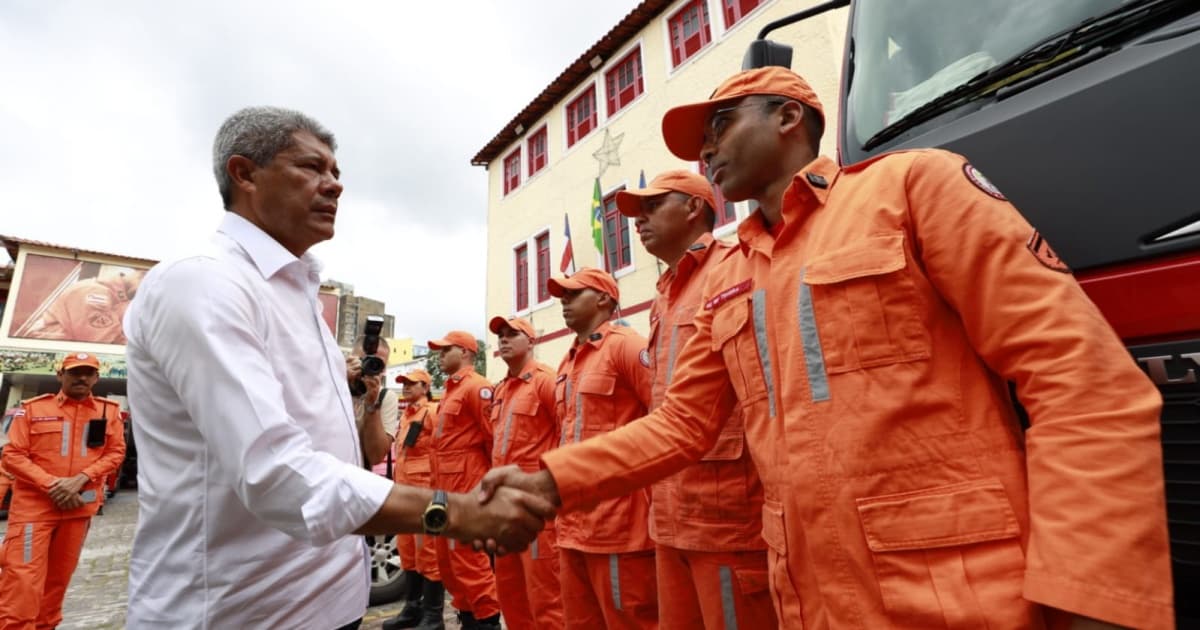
(205,331)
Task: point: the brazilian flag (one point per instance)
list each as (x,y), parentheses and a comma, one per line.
(597,219)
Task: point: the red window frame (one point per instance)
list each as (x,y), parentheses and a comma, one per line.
(735,10)
(542,245)
(689,30)
(623,82)
(521,273)
(537,151)
(617,252)
(725,211)
(512,171)
(582,116)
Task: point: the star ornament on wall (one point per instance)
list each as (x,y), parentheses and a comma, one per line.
(609,153)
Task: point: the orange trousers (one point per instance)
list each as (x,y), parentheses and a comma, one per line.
(528,585)
(713,590)
(608,590)
(467,574)
(35,569)
(418,552)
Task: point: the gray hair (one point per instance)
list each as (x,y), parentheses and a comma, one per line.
(259,133)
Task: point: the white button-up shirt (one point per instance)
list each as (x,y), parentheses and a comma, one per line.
(250,478)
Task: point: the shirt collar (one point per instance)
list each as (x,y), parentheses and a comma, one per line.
(809,190)
(63,399)
(266,252)
(692,260)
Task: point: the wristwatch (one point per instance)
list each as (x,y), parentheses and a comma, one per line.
(436,516)
(371,407)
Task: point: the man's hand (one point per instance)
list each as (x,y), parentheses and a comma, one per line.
(65,491)
(509,521)
(353,368)
(374,385)
(540,483)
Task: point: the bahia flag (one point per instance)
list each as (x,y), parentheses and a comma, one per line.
(597,219)
(568,257)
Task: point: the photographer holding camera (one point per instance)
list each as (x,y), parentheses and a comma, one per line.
(376,408)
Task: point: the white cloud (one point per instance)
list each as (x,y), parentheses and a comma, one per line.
(109,112)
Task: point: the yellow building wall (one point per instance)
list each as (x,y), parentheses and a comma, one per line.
(565,185)
(401,350)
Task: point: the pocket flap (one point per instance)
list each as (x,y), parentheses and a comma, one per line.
(45,427)
(525,406)
(728,447)
(947,516)
(602,384)
(773,533)
(449,465)
(728,319)
(451,407)
(873,256)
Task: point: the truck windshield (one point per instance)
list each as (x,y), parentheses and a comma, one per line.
(908,53)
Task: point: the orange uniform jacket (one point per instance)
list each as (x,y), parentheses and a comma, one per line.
(870,344)
(48,440)
(414,468)
(523,417)
(604,384)
(715,505)
(462,435)
(89,310)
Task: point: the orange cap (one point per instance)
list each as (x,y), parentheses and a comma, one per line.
(683,127)
(458,338)
(77,359)
(521,324)
(586,278)
(416,376)
(629,202)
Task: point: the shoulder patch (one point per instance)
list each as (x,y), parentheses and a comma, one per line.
(485,393)
(644,357)
(981,182)
(727,294)
(1041,250)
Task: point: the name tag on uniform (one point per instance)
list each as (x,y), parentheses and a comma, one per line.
(727,294)
(45,418)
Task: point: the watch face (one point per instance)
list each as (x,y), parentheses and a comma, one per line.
(435,520)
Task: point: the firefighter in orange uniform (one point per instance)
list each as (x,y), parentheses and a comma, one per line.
(462,454)
(607,557)
(526,425)
(869,329)
(61,448)
(425,596)
(706,520)
(90,309)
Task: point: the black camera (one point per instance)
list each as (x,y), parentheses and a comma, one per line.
(371,364)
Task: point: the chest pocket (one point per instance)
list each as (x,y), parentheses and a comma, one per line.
(447,416)
(743,347)
(594,405)
(865,304)
(50,437)
(516,422)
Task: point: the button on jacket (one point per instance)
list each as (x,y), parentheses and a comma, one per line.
(870,345)
(250,469)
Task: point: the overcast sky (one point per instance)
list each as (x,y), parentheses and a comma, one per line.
(108,111)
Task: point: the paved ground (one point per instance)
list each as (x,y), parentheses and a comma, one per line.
(97,596)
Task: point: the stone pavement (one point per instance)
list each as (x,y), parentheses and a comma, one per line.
(99,589)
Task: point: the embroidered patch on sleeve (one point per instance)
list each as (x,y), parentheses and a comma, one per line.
(982,183)
(644,357)
(485,393)
(1041,250)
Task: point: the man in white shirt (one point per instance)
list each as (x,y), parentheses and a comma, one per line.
(250,469)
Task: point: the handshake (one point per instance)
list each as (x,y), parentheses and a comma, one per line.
(505,512)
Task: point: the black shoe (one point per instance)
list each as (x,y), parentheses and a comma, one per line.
(488,623)
(413,611)
(433,601)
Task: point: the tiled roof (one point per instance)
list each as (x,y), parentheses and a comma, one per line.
(12,243)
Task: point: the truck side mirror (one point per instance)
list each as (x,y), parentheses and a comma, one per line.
(764,52)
